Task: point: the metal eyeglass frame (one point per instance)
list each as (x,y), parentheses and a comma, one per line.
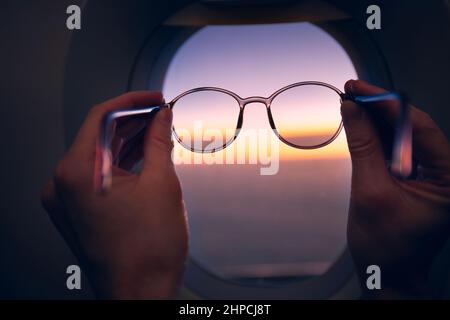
(401,162)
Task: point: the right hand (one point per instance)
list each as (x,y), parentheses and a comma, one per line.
(398,224)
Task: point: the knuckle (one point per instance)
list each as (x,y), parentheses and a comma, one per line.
(161,143)
(97,109)
(423,122)
(363,148)
(64,176)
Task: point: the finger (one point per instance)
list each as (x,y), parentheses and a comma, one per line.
(368,161)
(86,139)
(389,108)
(158,143)
(361,87)
(430,144)
(55,209)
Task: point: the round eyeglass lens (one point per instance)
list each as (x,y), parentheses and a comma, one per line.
(205,120)
(307,115)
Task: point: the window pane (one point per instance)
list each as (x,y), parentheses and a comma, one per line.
(247,226)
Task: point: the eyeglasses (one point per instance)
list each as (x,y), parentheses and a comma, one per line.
(303,115)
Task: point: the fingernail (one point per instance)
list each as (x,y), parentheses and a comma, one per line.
(351,85)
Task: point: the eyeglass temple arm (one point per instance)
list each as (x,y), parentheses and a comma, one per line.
(103,159)
(401,164)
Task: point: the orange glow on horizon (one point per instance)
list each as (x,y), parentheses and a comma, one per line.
(337,149)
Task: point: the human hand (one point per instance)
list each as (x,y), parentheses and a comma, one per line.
(131,241)
(398,224)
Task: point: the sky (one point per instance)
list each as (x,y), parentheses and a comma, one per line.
(231,219)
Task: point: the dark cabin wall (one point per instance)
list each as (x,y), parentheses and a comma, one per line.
(34,44)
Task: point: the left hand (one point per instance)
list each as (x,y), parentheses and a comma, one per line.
(132,241)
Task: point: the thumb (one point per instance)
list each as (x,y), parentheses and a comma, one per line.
(365,148)
(158,143)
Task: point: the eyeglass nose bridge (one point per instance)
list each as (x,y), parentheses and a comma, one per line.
(255,99)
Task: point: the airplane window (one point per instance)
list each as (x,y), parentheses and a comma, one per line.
(245,226)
